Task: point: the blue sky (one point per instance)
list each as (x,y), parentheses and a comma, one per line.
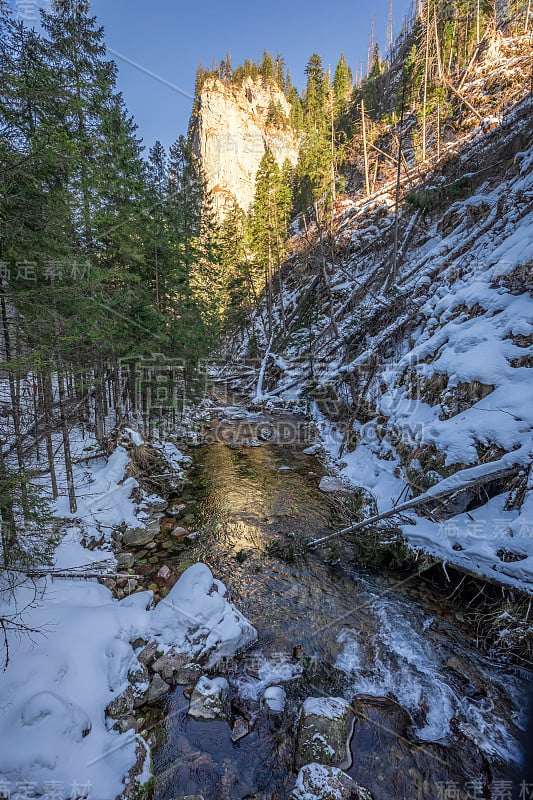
(170,38)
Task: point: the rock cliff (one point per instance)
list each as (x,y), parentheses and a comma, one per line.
(232,128)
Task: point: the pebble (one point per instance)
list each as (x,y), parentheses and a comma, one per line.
(240,729)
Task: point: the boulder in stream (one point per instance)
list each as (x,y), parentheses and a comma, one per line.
(176,509)
(125,561)
(208,699)
(324,732)
(240,729)
(319,782)
(274,699)
(158,688)
(137,537)
(333,483)
(178,532)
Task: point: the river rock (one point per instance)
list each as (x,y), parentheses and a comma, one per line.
(331,483)
(177,668)
(208,698)
(164,574)
(318,782)
(128,723)
(176,509)
(125,561)
(158,688)
(274,699)
(324,732)
(313,449)
(240,730)
(167,523)
(190,797)
(156,504)
(137,537)
(121,706)
(179,533)
(148,654)
(265,433)
(139,675)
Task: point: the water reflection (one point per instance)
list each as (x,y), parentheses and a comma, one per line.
(256,508)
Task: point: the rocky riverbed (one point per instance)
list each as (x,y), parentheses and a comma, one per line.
(357,686)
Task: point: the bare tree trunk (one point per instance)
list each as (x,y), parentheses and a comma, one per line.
(451,44)
(438,131)
(429,497)
(269,291)
(15,406)
(105,404)
(46,391)
(392,273)
(426,69)
(98,403)
(66,444)
(325,276)
(446,81)
(7,514)
(375,175)
(280,277)
(364,147)
(117,395)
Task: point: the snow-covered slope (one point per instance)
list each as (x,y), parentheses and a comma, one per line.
(430,374)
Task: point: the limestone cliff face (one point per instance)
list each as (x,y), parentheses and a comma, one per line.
(231,132)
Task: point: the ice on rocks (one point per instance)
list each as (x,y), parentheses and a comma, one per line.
(275,698)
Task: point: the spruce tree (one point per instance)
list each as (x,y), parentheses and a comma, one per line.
(77,53)
(316,93)
(267,227)
(342,87)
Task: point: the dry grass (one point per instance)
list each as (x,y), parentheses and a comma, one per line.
(509,628)
(150,468)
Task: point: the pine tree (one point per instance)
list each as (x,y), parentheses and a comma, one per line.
(316,94)
(342,87)
(296,114)
(279,72)
(234,267)
(77,52)
(313,174)
(267,69)
(267,226)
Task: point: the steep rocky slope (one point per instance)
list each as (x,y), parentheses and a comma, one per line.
(425,381)
(232,129)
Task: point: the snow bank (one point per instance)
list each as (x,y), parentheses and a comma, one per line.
(60,679)
(196,610)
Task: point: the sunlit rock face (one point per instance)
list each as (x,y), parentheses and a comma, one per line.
(231,132)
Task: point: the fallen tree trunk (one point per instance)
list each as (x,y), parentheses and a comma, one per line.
(50,573)
(478,477)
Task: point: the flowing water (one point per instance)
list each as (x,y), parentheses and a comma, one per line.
(433,713)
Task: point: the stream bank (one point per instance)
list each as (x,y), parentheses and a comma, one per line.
(430,709)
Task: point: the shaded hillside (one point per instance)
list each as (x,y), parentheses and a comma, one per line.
(423,374)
